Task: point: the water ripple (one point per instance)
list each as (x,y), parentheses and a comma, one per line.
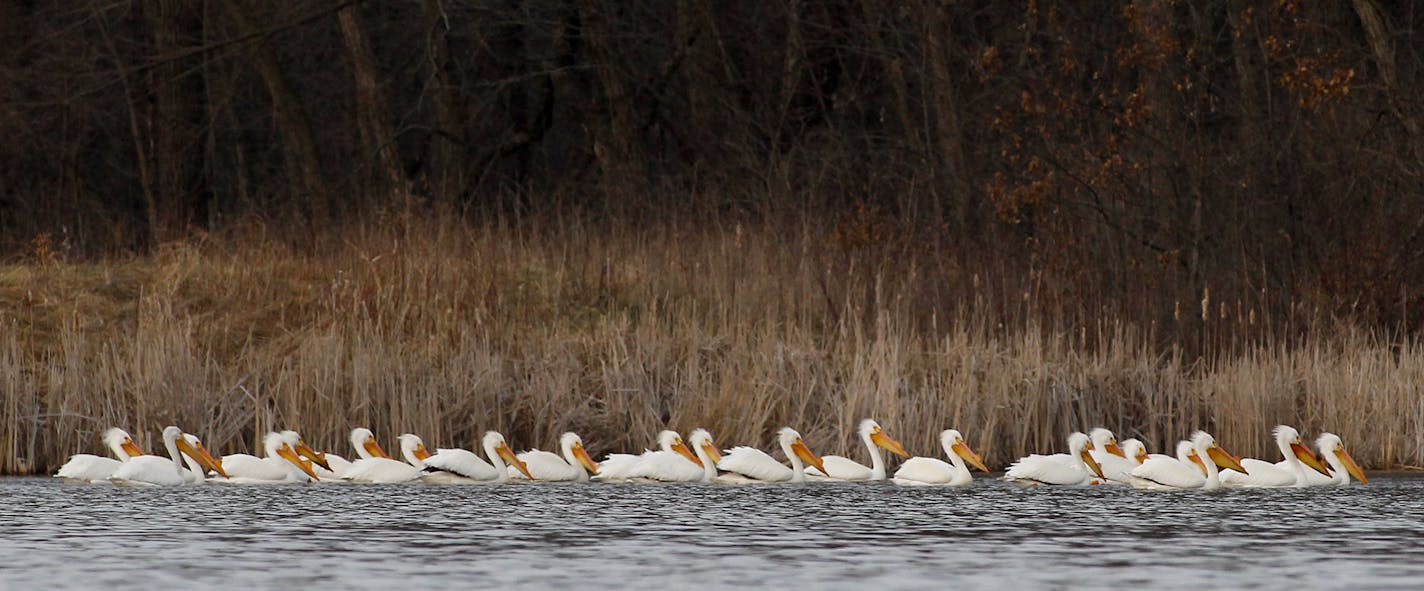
(989,536)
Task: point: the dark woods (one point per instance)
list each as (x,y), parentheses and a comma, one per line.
(1169,162)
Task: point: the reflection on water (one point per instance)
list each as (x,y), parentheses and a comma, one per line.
(644,535)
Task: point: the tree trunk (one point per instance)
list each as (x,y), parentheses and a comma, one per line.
(949,139)
(615,139)
(376,133)
(1377,33)
(292,120)
(177,120)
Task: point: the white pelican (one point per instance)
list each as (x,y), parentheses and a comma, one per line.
(673,467)
(281,464)
(841,468)
(92,468)
(1290,472)
(1341,464)
(1039,469)
(1104,444)
(921,471)
(169,471)
(748,464)
(466,464)
(621,467)
(1117,461)
(329,467)
(575,465)
(1135,450)
(375,465)
(315,459)
(1199,471)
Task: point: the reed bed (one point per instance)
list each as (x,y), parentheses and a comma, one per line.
(446,328)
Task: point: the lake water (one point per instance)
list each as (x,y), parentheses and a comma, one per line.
(867,536)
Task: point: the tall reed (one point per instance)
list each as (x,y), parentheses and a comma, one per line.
(446,328)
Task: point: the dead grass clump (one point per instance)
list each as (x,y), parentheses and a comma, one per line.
(452,328)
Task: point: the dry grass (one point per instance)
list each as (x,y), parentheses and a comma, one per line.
(447,328)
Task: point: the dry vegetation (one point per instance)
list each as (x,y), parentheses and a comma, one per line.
(449,327)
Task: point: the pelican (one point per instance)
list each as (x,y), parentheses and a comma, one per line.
(375,465)
(1135,450)
(841,468)
(466,464)
(748,464)
(920,471)
(653,465)
(673,467)
(1290,472)
(1200,471)
(1117,461)
(197,472)
(92,468)
(328,467)
(299,446)
(575,465)
(281,464)
(1341,464)
(169,471)
(1038,469)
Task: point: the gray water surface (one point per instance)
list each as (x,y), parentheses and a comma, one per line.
(869,536)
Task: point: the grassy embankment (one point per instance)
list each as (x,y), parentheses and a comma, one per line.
(453,328)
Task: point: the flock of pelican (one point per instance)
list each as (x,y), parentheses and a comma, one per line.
(1094,458)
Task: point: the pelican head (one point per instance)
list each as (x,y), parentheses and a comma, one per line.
(300,446)
(1203,442)
(497,449)
(413,449)
(1188,456)
(121,443)
(279,445)
(669,440)
(365,443)
(1332,448)
(871,431)
(702,441)
(192,447)
(1079,445)
(1105,440)
(1133,449)
(1288,440)
(572,446)
(953,443)
(791,443)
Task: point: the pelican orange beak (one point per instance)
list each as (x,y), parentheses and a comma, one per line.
(803,452)
(711,449)
(420,452)
(581,455)
(1142,456)
(1088,459)
(1350,465)
(1113,449)
(885,441)
(1308,458)
(287,453)
(132,448)
(963,450)
(1196,459)
(201,455)
(1225,460)
(682,450)
(374,448)
(319,457)
(509,458)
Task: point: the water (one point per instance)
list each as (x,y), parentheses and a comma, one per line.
(558,536)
